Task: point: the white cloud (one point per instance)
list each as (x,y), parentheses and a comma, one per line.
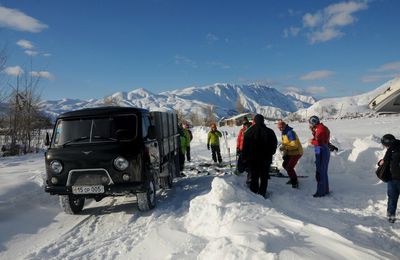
(312,20)
(13,71)
(292,12)
(293,89)
(315,90)
(384,72)
(317,74)
(219,64)
(42,74)
(24,44)
(393,66)
(17,20)
(341,14)
(185,61)
(291,31)
(327,24)
(324,35)
(212,38)
(31,53)
(374,78)
(46,54)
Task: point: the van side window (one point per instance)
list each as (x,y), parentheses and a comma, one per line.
(145,126)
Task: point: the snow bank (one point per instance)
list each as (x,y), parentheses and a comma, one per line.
(241,225)
(221,217)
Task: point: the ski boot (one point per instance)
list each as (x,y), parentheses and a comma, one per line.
(295,184)
(392,219)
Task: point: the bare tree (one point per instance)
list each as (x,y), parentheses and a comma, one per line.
(25,120)
(3,61)
(209,115)
(195,118)
(181,116)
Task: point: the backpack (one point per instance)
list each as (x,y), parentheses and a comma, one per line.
(383,172)
(190,134)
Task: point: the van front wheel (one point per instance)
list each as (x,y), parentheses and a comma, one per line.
(71,205)
(147,200)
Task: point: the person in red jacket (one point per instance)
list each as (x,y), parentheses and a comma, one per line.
(320,141)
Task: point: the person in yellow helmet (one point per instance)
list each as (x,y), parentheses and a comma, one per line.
(213,143)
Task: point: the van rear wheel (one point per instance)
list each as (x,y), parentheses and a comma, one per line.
(166,181)
(147,200)
(71,204)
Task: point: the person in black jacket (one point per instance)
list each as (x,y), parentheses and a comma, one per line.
(258,148)
(392,159)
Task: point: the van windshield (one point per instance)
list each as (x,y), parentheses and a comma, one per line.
(94,130)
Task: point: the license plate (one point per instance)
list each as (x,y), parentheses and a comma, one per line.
(88,189)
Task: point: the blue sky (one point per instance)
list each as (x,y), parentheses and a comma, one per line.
(90,49)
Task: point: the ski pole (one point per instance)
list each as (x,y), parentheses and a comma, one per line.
(228,149)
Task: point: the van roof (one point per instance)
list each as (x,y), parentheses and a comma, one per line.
(100,111)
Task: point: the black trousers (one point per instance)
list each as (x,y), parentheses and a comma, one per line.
(259,179)
(216,152)
(188,153)
(181,160)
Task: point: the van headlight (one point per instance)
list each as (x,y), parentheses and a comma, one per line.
(56,166)
(121,163)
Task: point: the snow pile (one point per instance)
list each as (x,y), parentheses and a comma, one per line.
(242,225)
(365,152)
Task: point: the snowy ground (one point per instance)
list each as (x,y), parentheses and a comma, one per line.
(207,216)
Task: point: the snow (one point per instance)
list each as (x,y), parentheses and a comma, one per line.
(208,215)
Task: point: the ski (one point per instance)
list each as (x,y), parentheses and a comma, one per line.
(280,175)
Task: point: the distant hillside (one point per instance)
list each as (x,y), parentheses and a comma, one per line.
(343,106)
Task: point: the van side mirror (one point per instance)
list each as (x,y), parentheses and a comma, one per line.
(47,140)
(151,132)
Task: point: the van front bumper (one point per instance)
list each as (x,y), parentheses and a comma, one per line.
(109,190)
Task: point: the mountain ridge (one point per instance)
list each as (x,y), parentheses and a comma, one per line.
(223,97)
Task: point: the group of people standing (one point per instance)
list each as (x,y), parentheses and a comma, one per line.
(256,145)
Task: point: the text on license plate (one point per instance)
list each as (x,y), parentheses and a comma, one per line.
(88,189)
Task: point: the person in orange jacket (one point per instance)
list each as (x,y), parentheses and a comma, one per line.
(239,146)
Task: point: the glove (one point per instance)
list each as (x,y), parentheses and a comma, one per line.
(208,147)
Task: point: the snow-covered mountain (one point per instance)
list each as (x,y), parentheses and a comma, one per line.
(223,97)
(343,106)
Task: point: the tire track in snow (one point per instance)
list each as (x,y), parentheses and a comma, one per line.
(110,229)
(113,227)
